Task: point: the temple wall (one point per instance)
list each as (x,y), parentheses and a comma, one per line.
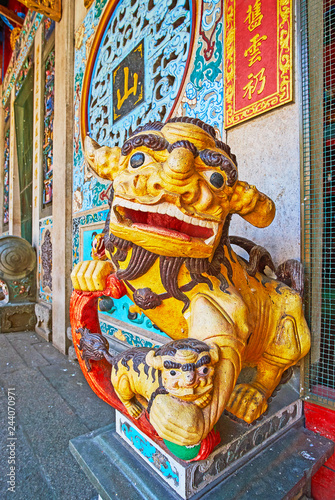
(183,76)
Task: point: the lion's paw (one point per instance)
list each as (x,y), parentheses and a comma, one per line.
(247,402)
(91,275)
(203,400)
(134,410)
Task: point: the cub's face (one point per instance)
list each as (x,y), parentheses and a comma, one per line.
(188,376)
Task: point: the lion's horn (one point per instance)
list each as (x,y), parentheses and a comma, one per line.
(90,145)
(214,353)
(154,361)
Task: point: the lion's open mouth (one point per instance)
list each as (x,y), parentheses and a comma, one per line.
(164,219)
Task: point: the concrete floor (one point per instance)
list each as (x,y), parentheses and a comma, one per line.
(53,404)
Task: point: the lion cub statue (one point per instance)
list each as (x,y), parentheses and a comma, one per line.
(175,189)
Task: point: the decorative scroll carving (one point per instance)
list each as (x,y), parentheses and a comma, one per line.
(14,37)
(50,8)
(17,258)
(48,127)
(46,258)
(6,180)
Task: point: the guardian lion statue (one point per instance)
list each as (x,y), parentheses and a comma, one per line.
(175,188)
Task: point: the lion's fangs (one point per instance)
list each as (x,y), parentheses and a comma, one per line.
(172,211)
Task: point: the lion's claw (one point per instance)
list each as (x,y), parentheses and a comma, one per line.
(134,410)
(247,402)
(203,401)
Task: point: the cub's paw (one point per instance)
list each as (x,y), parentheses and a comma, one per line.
(203,400)
(133,409)
(247,402)
(91,275)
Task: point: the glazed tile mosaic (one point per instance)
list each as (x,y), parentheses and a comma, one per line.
(28,63)
(160,461)
(48,28)
(125,336)
(86,222)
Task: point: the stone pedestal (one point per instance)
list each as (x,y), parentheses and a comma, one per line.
(274,454)
(17,275)
(44,320)
(17,317)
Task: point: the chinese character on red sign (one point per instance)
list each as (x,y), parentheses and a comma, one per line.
(258,57)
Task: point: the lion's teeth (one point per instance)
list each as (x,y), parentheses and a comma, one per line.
(215,227)
(161,208)
(171,210)
(210,240)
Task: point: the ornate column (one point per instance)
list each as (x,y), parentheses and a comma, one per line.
(62,177)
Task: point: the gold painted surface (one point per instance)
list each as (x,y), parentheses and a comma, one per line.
(88,3)
(256,321)
(15,33)
(50,8)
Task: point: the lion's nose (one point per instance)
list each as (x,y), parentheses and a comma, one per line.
(180,164)
(190,377)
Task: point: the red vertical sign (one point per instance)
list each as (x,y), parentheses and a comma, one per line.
(258,57)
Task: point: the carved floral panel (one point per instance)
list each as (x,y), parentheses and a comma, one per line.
(6,179)
(48,127)
(45,260)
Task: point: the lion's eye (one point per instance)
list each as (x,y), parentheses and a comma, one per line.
(217,180)
(203,370)
(137,160)
(173,373)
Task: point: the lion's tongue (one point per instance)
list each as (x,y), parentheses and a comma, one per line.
(163,231)
(166,225)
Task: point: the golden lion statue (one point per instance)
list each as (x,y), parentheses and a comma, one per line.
(175,188)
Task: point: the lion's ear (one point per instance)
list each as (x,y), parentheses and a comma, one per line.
(254,206)
(104,161)
(154,361)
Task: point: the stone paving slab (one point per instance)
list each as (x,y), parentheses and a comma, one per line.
(68,380)
(28,353)
(49,353)
(29,337)
(53,405)
(28,470)
(10,360)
